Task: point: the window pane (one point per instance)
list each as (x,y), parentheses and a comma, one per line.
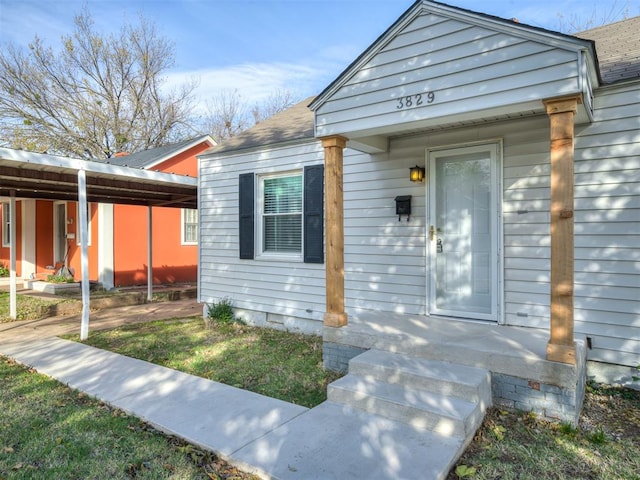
(190,225)
(283,233)
(283,194)
(6,224)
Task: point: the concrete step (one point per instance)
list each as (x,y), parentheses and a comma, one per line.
(458,381)
(445,415)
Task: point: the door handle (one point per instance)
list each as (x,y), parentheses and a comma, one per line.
(432,231)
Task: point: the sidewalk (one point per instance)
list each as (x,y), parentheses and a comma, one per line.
(259,434)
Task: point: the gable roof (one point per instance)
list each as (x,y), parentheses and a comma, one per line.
(154,156)
(618,49)
(295,123)
(502,24)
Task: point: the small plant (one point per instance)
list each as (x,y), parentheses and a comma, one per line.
(4,271)
(60,279)
(462,471)
(222,311)
(598,436)
(636,377)
(567,428)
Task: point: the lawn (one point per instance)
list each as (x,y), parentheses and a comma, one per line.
(48,431)
(29,307)
(509,445)
(517,445)
(282,365)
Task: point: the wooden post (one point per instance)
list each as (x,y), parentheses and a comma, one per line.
(561,112)
(335,315)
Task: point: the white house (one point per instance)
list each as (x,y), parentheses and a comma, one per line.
(526,220)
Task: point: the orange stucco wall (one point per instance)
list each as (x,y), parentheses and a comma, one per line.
(44,235)
(172,261)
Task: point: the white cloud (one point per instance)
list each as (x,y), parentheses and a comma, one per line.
(257,81)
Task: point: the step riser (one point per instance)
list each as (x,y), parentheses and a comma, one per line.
(479,392)
(416,417)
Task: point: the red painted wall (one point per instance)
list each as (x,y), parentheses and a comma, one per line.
(172,262)
(44,234)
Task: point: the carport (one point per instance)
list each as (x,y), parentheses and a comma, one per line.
(28,175)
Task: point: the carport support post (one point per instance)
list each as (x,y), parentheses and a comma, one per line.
(149,253)
(13,297)
(84,252)
(561,112)
(335,315)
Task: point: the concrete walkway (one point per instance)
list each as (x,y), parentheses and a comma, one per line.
(259,434)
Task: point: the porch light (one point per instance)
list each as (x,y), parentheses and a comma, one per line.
(416,174)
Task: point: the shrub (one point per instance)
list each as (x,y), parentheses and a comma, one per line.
(222,311)
(59,279)
(4,271)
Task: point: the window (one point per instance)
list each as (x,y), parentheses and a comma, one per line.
(6,225)
(189,226)
(281,214)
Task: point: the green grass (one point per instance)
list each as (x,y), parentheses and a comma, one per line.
(278,364)
(48,431)
(605,444)
(28,307)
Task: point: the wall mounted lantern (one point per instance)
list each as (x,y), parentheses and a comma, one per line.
(416,174)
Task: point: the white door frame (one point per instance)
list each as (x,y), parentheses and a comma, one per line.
(494,147)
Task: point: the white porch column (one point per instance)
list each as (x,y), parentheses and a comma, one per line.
(106,259)
(84,255)
(13,297)
(28,238)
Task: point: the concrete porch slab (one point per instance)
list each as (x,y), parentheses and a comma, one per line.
(515,351)
(521,376)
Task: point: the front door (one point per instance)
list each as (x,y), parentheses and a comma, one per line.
(463,232)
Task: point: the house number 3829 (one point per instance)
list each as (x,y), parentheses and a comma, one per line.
(416,100)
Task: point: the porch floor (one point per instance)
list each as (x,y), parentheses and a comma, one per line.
(514,351)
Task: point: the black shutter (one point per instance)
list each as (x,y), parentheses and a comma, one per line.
(314,214)
(246,216)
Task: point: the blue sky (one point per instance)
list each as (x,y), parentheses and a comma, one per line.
(258,47)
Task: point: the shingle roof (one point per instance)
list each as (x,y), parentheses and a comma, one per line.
(295,123)
(618,49)
(148,158)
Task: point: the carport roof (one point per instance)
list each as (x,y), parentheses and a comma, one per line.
(42,176)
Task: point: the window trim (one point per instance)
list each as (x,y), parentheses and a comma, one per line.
(89,221)
(6,225)
(259,218)
(183,224)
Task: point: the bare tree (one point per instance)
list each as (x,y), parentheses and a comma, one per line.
(608,13)
(275,103)
(227,114)
(95,96)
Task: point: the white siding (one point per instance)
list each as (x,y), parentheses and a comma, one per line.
(290,289)
(471,70)
(385,260)
(607,228)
